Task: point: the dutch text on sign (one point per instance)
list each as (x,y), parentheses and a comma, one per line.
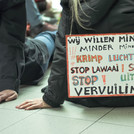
(100,65)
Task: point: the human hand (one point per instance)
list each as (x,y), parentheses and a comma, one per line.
(33,104)
(8,95)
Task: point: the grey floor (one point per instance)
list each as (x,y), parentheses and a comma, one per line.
(68,119)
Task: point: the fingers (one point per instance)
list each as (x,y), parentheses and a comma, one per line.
(2,97)
(7,95)
(12,97)
(33,104)
(32,107)
(21,106)
(25,106)
(28,105)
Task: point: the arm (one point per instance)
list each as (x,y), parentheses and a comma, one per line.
(39,103)
(12,35)
(56,91)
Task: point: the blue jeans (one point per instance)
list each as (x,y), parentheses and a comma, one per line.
(46,37)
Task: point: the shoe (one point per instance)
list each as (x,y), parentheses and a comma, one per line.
(42,27)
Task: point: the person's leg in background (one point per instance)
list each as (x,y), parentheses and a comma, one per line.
(35,19)
(12,37)
(49,40)
(38,52)
(33,14)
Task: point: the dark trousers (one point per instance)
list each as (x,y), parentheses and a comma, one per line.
(21,61)
(12,37)
(38,52)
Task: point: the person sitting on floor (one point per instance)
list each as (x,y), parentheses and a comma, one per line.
(84,17)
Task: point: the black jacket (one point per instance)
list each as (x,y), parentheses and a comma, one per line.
(113,16)
(12,37)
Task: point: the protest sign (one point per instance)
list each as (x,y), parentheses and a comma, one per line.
(100,65)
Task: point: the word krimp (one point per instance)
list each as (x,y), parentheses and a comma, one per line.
(88,58)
